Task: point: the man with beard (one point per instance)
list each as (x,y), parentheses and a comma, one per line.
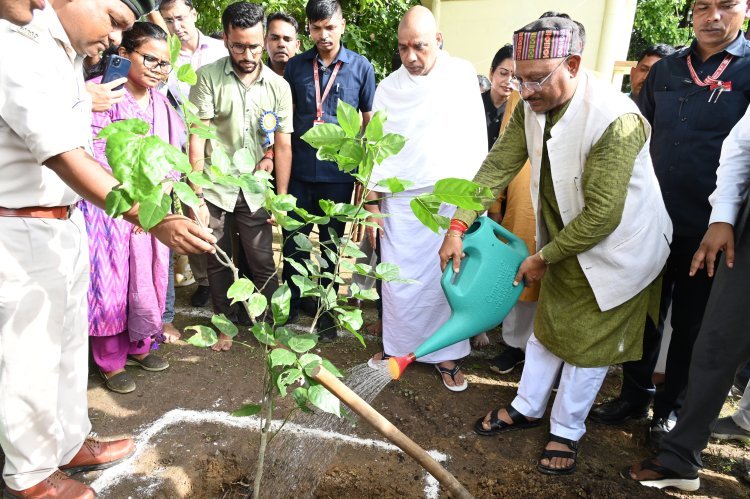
(234,94)
(319,78)
(44,168)
(282,42)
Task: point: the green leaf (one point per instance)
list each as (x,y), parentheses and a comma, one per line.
(257,304)
(324,400)
(352,250)
(122,152)
(117,202)
(351,318)
(348,118)
(332,369)
(200,179)
(220,160)
(244,160)
(174,49)
(395,185)
(300,398)
(283,335)
(387,271)
(302,242)
(462,193)
(284,202)
(246,410)
(154,208)
(297,266)
(178,160)
(390,145)
(425,207)
(304,284)
(224,325)
(130,127)
(287,223)
(286,378)
(350,155)
(310,359)
(326,134)
(241,290)
(155,161)
(282,357)
(374,130)
(280,304)
(263,333)
(303,342)
(186,74)
(204,336)
(186,194)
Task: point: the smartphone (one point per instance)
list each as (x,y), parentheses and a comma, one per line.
(115,67)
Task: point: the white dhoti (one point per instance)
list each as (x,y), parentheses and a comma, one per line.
(575,395)
(519,324)
(44,280)
(412,312)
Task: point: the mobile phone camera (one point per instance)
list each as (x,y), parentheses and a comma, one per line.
(116,62)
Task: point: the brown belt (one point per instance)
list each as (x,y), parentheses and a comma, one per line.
(59,212)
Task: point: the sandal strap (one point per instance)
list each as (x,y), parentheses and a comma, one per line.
(549,454)
(495,421)
(516,416)
(572,444)
(451,372)
(649,464)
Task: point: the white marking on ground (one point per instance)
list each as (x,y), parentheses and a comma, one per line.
(114,475)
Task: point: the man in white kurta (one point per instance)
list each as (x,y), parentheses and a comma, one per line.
(433,101)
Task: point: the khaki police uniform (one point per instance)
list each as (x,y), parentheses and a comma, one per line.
(44,261)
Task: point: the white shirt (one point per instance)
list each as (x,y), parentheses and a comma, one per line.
(44,110)
(209,50)
(733,174)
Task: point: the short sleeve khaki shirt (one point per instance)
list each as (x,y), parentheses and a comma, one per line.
(44,110)
(235,110)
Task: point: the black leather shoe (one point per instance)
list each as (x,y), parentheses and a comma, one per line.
(616,412)
(327,329)
(200,297)
(658,430)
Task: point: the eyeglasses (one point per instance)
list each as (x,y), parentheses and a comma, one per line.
(240,48)
(155,63)
(533,86)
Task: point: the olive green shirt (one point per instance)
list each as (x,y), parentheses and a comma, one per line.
(569,322)
(235,110)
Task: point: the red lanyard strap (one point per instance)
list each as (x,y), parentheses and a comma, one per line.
(714,78)
(318,99)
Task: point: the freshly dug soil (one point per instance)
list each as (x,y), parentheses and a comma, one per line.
(200,456)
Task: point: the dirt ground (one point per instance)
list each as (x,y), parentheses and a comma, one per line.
(195,454)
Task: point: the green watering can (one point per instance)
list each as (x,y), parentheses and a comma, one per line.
(481,294)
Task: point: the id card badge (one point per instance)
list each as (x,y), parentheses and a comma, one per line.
(318,122)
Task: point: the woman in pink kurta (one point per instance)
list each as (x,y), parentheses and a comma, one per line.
(128,266)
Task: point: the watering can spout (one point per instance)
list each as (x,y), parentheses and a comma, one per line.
(397,365)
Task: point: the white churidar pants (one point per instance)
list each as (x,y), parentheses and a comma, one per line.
(412,312)
(44,279)
(742,416)
(575,396)
(519,324)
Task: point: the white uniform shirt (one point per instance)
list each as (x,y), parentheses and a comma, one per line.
(733,174)
(209,50)
(44,110)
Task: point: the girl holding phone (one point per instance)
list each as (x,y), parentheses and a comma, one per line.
(129,267)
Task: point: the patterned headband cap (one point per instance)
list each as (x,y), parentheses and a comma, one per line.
(543,44)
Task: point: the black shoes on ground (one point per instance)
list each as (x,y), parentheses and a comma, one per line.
(658,430)
(507,360)
(616,412)
(200,297)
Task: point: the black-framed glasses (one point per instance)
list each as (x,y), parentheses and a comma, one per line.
(155,63)
(534,86)
(241,48)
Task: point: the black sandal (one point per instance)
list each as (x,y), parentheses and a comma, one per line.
(668,478)
(549,454)
(497,425)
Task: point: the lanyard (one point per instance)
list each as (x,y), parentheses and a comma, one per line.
(318,99)
(714,78)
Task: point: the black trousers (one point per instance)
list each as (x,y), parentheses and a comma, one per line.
(308,196)
(687,296)
(723,344)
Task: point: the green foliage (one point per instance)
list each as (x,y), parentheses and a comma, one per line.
(371,25)
(660,21)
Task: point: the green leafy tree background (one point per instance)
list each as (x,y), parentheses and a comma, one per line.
(660,21)
(371,25)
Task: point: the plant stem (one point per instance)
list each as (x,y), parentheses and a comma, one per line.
(268,406)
